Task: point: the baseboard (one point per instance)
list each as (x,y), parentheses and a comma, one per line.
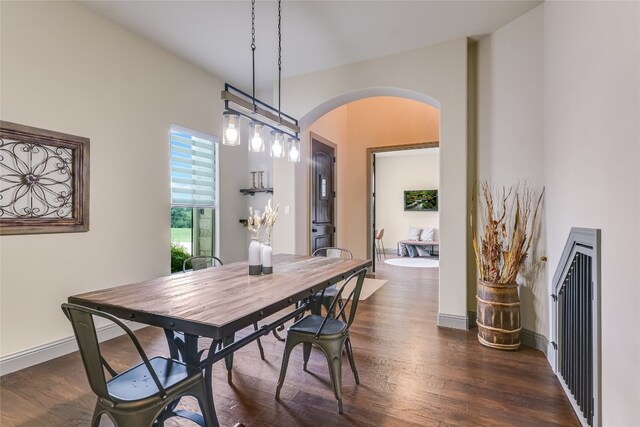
(33,356)
(535,340)
(472,319)
(453,321)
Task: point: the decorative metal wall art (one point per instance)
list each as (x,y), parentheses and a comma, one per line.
(44,181)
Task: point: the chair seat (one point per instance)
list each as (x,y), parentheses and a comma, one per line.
(311,323)
(137,384)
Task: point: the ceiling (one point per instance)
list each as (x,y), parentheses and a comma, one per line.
(316,35)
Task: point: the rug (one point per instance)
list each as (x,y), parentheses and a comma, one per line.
(368,287)
(413,262)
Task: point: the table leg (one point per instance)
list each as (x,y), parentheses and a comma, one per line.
(228,360)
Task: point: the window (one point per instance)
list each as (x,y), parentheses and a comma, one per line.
(193,194)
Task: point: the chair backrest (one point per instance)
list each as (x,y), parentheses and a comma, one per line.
(333,252)
(81,319)
(380,234)
(200,262)
(353,297)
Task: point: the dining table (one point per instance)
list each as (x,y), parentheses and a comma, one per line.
(218,302)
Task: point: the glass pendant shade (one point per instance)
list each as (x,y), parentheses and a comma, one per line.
(230,129)
(293,149)
(277,144)
(256,142)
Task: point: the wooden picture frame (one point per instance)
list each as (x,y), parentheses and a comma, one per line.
(44,181)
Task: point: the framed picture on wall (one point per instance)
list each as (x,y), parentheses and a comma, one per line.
(421,200)
(44,181)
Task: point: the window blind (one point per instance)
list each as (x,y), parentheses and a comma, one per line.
(193,170)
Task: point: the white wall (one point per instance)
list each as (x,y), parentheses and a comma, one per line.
(510,136)
(434,74)
(592,173)
(395,173)
(66,69)
(567,115)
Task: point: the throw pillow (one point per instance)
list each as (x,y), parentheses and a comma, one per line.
(411,249)
(402,249)
(422,250)
(414,233)
(427,234)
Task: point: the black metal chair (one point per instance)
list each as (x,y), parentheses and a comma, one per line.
(330,334)
(200,263)
(325,299)
(140,395)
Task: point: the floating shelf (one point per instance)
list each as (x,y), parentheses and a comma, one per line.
(244,222)
(253,191)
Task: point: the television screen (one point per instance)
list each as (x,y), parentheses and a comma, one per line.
(421,200)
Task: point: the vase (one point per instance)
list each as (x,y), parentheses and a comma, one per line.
(267,252)
(498,316)
(255,266)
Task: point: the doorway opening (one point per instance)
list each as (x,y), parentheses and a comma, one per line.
(396,174)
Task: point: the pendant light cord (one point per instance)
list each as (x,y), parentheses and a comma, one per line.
(279,58)
(253,50)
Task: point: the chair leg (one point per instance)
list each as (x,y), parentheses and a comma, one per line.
(383,252)
(333,352)
(352,362)
(306,353)
(255,328)
(97,414)
(288,346)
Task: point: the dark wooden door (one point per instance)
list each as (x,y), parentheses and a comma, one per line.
(322,195)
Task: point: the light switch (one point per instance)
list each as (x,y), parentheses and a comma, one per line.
(287,210)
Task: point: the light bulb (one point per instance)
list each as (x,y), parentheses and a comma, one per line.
(231,127)
(293,149)
(277,144)
(256,144)
(231,133)
(276,149)
(294,154)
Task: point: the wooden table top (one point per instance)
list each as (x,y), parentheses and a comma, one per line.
(216,302)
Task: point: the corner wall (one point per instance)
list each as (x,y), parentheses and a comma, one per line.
(66,69)
(510,146)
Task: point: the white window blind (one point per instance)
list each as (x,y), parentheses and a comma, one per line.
(193,169)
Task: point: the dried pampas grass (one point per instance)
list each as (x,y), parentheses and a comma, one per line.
(507,221)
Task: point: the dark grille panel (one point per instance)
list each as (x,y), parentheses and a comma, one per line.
(575,332)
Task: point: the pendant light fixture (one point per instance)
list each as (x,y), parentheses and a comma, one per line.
(263,118)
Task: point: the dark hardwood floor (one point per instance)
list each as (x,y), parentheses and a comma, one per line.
(412,373)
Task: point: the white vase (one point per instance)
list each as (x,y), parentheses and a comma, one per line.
(267,264)
(255,267)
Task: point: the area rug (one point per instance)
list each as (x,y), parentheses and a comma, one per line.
(413,262)
(368,288)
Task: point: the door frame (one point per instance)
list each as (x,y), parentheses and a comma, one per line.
(371,151)
(312,136)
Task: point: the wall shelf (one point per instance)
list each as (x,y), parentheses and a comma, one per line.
(253,191)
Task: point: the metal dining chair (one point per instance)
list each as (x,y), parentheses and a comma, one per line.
(200,262)
(326,298)
(328,333)
(144,394)
(380,244)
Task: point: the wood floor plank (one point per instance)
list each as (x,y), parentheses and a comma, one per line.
(412,373)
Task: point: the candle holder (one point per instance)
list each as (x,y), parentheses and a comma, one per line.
(253,180)
(261,176)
